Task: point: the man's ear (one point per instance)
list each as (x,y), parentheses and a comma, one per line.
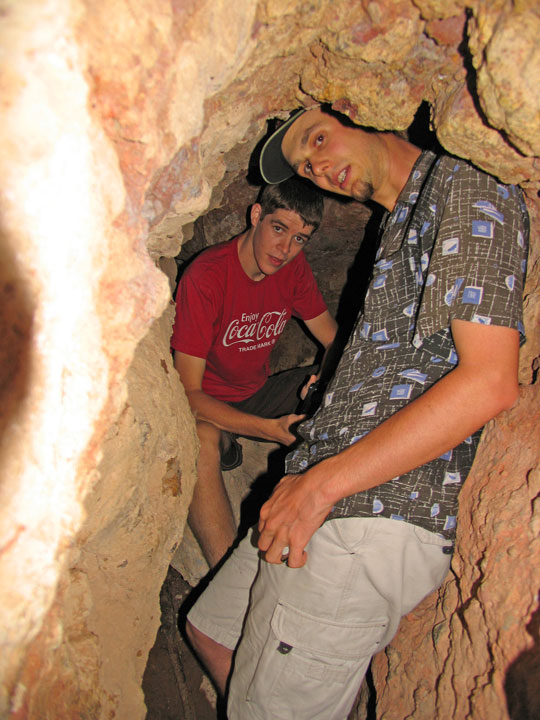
(255,214)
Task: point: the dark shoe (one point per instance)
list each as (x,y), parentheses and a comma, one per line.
(232,457)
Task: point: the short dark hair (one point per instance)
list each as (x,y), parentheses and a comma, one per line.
(293,194)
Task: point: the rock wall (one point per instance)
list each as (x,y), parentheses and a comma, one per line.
(121,123)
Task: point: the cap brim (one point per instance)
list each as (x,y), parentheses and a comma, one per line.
(272,164)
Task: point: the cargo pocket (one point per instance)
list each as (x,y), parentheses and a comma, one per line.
(307,662)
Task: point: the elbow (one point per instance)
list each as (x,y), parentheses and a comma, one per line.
(504,393)
(192,397)
(510,397)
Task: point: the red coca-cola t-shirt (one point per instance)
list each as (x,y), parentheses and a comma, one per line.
(233,322)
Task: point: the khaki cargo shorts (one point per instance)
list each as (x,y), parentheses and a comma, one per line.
(310,632)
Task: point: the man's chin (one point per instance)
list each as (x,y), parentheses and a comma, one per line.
(362,191)
(268,270)
(271,269)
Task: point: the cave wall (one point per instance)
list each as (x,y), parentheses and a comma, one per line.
(122,122)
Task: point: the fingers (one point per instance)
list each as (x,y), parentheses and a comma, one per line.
(277,550)
(296,557)
(273,538)
(273,545)
(307,385)
(282,530)
(293,418)
(280,544)
(281,432)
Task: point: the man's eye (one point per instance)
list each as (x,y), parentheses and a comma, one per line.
(307,167)
(299,239)
(278,229)
(319,139)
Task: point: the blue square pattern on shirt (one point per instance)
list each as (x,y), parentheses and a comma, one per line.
(401,392)
(490,210)
(450,246)
(482,229)
(380,335)
(472,295)
(415,320)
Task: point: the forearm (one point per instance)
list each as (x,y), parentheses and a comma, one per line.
(436,421)
(441,418)
(228,418)
(326,362)
(324,328)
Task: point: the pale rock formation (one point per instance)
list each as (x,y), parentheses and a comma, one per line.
(121,123)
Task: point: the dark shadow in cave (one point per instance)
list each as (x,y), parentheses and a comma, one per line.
(521,681)
(16,320)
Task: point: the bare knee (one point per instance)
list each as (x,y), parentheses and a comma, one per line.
(209,438)
(200,642)
(192,634)
(208,433)
(216,658)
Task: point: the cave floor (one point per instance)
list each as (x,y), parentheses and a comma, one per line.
(174,685)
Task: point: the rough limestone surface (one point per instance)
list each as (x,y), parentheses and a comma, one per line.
(121,124)
(502,47)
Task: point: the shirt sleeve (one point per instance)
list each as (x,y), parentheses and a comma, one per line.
(193,331)
(476,270)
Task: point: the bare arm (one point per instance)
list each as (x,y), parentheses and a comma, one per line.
(483,384)
(323,328)
(204,407)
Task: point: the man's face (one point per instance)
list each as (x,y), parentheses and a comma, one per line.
(331,155)
(277,239)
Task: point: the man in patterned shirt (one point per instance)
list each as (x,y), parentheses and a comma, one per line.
(361,528)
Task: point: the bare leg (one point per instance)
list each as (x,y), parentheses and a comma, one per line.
(210,514)
(215,657)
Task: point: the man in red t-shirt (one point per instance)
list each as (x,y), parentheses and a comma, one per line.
(233,303)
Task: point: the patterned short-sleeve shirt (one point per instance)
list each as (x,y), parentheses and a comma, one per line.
(454,247)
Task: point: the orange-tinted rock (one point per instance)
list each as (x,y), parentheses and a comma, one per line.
(507,59)
(122,123)
(448,31)
(471,649)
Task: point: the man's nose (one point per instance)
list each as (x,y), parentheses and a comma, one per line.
(320,166)
(285,245)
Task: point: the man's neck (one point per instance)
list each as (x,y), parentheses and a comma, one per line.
(400,157)
(246,256)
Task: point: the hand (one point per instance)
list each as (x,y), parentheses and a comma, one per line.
(309,383)
(290,517)
(278,428)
